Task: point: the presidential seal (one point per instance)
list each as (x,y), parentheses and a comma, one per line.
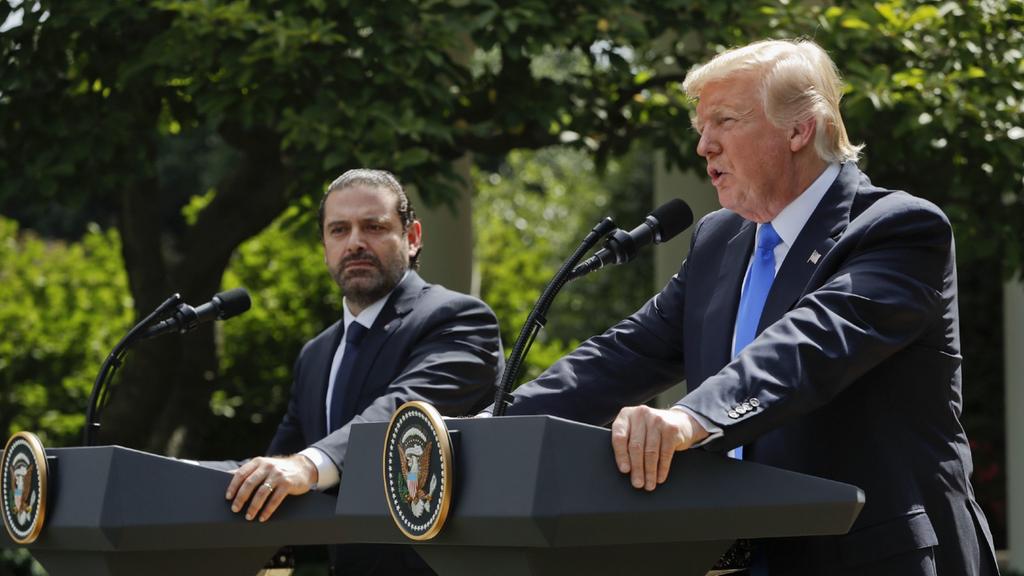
(23,486)
(418,470)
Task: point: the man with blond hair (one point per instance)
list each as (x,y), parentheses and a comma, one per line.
(815,321)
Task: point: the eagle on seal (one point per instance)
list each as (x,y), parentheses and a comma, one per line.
(22,493)
(415,469)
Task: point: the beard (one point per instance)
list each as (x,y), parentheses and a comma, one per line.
(367,284)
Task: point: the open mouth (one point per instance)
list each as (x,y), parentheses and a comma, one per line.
(715,174)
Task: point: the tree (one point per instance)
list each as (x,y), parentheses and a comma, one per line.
(270,100)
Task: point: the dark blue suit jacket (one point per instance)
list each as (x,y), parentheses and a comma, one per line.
(428,343)
(856,374)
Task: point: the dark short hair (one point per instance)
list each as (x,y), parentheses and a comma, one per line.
(376,179)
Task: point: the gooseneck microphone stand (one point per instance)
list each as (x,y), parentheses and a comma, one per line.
(538,316)
(98,396)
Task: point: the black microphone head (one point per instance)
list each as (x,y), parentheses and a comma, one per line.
(673,217)
(232,303)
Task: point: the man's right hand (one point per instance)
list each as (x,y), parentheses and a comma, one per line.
(265,482)
(644,440)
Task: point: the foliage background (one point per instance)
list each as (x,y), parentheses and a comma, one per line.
(202,132)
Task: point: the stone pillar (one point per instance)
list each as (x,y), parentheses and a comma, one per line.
(1013,331)
(702,198)
(448,237)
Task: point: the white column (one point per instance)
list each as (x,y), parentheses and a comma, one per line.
(702,198)
(448,237)
(1013,330)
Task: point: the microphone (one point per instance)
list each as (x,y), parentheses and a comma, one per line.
(665,223)
(223,306)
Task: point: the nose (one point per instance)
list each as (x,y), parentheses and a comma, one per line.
(708,144)
(356,240)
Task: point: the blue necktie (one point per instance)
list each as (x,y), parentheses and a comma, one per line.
(346,393)
(755,292)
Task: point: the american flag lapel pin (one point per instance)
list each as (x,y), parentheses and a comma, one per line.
(814,257)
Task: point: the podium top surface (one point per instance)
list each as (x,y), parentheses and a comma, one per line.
(520,481)
(549,482)
(114,498)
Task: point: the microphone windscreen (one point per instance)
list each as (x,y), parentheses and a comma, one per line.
(233,302)
(673,217)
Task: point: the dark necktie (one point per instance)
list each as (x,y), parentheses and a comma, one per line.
(346,392)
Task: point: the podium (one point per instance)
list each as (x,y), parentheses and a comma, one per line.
(533,495)
(541,495)
(120,512)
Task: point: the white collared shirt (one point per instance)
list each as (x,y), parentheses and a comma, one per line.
(790,222)
(329,475)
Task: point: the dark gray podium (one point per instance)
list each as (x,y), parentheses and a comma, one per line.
(533,495)
(116,511)
(541,495)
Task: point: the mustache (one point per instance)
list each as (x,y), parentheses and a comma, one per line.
(362,255)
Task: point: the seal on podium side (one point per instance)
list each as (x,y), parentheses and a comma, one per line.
(418,470)
(23,485)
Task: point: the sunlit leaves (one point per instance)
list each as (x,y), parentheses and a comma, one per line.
(62,308)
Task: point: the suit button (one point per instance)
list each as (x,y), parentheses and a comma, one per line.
(754,402)
(733,414)
(747,406)
(740,409)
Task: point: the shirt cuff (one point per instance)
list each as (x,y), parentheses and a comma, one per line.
(714,432)
(328,473)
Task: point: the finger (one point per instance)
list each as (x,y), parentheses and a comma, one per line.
(275,499)
(239,476)
(258,498)
(637,439)
(668,435)
(620,439)
(249,488)
(652,450)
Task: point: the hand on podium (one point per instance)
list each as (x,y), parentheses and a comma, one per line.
(265,482)
(644,440)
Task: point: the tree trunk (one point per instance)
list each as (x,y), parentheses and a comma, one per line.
(160,403)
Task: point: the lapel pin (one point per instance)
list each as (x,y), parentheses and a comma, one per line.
(814,257)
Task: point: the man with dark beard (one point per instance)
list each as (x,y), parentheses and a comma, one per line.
(400,339)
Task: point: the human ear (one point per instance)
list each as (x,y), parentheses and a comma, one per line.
(802,134)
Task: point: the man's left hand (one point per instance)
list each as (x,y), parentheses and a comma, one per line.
(265,482)
(644,440)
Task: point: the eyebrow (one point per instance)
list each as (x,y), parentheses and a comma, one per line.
(719,110)
(383,219)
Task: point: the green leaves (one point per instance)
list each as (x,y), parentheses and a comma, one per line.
(62,308)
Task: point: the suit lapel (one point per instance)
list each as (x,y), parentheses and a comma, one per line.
(388,322)
(720,317)
(325,359)
(826,224)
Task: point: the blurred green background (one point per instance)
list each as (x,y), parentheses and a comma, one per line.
(158,146)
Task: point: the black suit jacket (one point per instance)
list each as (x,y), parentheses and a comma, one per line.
(428,343)
(855,377)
